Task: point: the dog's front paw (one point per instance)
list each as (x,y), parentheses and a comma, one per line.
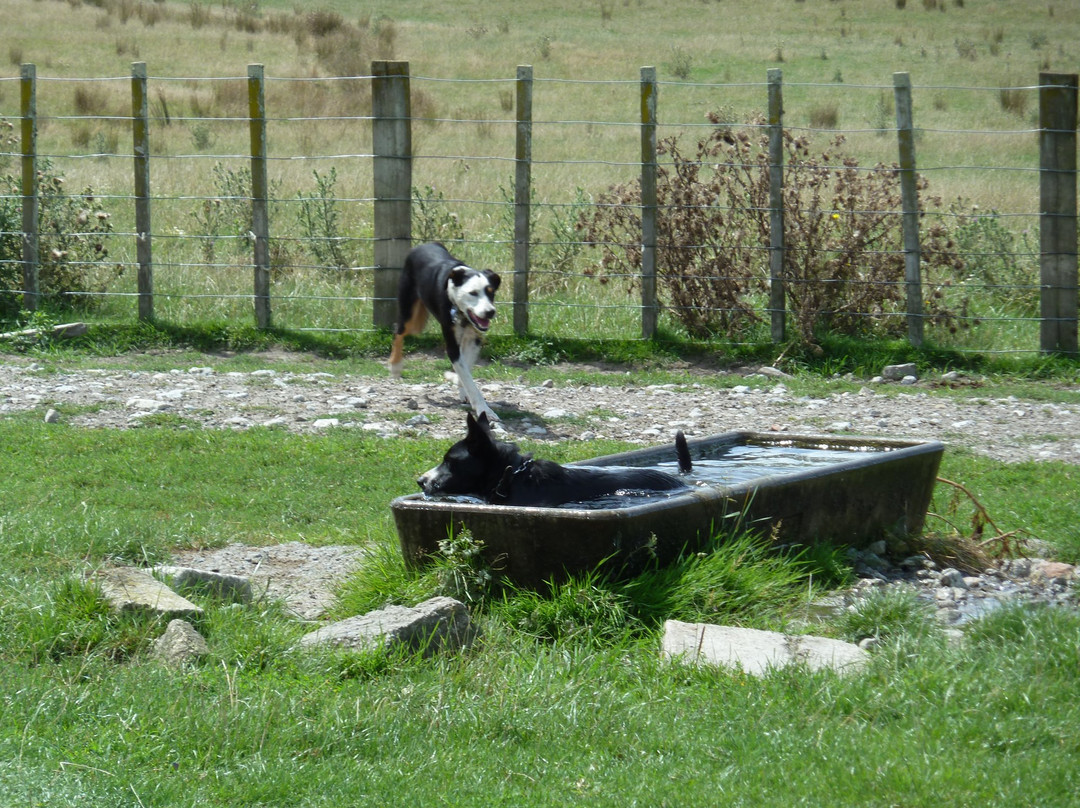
(395,369)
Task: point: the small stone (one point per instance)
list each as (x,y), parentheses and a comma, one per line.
(52,416)
(776,373)
(1054,570)
(895,373)
(557,413)
(180,644)
(326,423)
(146,404)
(952,578)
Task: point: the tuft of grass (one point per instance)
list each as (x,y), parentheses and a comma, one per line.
(825,116)
(887,615)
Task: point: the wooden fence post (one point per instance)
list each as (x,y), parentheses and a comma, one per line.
(140,131)
(260,219)
(391,134)
(777,292)
(1057,212)
(649,308)
(522,198)
(909,195)
(30,198)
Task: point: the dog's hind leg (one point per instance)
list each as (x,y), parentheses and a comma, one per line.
(414,324)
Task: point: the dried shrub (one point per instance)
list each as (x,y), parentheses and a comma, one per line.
(705,261)
(843,261)
(73,236)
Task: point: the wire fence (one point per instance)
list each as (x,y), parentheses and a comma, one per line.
(611,209)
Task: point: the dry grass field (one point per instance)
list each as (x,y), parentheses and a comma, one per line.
(974,65)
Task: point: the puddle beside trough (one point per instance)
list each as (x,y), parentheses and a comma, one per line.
(805,488)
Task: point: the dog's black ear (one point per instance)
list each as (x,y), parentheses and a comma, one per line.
(479,435)
(502,490)
(477,426)
(458,275)
(492,279)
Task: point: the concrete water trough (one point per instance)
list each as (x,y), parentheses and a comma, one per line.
(798,488)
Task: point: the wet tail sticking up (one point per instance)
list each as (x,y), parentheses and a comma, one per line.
(683,452)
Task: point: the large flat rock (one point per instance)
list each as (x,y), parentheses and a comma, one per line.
(134,588)
(757,652)
(436,624)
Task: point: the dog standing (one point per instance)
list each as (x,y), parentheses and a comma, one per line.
(461,298)
(481,466)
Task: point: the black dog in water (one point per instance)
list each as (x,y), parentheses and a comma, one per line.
(497,472)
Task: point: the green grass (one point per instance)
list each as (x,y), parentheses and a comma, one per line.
(563,700)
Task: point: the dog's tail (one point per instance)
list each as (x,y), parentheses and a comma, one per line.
(683,453)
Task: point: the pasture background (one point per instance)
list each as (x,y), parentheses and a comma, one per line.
(974,67)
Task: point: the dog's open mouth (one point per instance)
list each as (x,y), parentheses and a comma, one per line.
(481,323)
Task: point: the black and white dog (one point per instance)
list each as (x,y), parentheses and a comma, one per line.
(462,300)
(481,466)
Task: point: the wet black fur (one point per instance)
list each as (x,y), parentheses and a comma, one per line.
(498,472)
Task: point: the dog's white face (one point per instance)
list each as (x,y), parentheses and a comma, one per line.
(473,294)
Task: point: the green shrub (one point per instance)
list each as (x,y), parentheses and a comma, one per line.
(320,222)
(992,266)
(432,219)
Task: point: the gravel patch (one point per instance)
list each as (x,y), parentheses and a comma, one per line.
(1008,429)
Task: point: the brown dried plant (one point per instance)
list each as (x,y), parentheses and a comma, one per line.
(843,260)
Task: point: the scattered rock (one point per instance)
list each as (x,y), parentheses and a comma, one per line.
(958,597)
(57,331)
(776,373)
(438,624)
(133,588)
(185,580)
(757,652)
(179,645)
(147,404)
(895,373)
